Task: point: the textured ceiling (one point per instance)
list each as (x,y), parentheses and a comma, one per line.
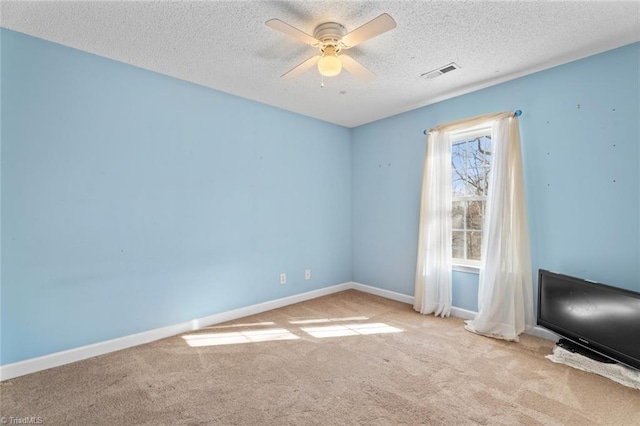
(225,45)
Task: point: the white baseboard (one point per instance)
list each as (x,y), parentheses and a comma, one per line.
(387,294)
(543,333)
(455,311)
(462,313)
(57,359)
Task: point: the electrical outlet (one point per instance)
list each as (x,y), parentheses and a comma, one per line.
(283,278)
(307,274)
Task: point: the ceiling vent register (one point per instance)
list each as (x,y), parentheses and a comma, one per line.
(442,70)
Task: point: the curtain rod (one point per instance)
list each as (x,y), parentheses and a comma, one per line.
(516,113)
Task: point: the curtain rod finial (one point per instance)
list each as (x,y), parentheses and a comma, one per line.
(518,113)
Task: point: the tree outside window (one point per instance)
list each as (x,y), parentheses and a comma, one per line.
(470,166)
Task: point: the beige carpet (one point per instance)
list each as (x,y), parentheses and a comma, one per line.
(390,366)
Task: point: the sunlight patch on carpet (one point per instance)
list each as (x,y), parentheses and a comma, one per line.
(249,324)
(234,338)
(350,330)
(324,320)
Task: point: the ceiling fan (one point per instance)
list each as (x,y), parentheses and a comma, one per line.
(330,39)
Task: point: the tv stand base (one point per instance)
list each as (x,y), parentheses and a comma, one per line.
(617,372)
(577,349)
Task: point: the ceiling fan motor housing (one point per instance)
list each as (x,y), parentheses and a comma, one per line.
(329,33)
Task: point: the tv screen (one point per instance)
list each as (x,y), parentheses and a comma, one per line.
(594,316)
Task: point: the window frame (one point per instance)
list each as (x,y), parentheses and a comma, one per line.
(462,264)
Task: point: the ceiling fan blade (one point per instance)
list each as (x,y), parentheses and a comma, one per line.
(375,27)
(291,31)
(355,68)
(301,68)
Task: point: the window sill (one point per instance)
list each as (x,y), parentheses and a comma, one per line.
(467,269)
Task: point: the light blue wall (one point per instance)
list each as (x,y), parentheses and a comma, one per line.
(132,201)
(581,136)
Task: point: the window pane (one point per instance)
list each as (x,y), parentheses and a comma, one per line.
(457,218)
(470,167)
(458,166)
(485,148)
(474,244)
(475,180)
(457,245)
(485,185)
(475,210)
(485,152)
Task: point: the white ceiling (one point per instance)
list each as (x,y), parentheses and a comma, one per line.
(225,45)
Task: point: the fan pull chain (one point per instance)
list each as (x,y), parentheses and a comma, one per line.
(321,81)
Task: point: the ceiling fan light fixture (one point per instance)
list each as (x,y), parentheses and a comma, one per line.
(330,39)
(329,65)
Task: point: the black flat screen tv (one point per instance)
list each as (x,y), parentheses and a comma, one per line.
(594,319)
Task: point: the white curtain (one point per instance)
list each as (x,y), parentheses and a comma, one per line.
(433,271)
(505,294)
(434,264)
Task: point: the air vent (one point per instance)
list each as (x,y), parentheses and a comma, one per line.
(442,70)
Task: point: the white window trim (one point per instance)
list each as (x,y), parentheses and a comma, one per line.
(467,265)
(469,269)
(470,133)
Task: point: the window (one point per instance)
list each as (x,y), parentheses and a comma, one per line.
(470,165)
